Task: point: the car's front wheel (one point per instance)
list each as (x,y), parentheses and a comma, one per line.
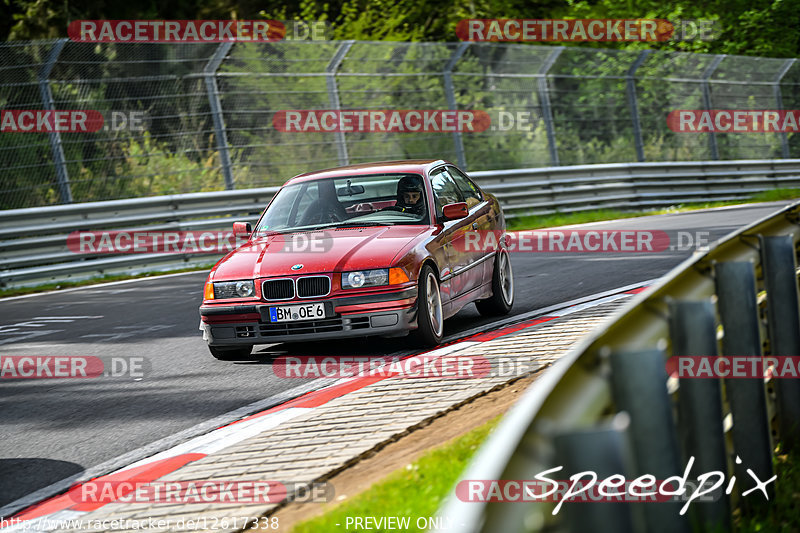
(231,353)
(502,288)
(430,321)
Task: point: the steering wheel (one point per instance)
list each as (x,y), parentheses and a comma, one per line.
(323,212)
(400,209)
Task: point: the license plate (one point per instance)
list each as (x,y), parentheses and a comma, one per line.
(289,313)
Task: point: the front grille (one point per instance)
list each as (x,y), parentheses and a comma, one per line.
(326,325)
(278,289)
(245,331)
(313,287)
(298,328)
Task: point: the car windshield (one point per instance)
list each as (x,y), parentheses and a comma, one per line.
(374,200)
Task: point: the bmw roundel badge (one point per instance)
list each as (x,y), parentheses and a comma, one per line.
(297,267)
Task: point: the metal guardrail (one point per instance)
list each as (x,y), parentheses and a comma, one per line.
(33,245)
(33,241)
(609,406)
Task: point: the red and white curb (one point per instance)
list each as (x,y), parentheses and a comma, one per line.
(47,514)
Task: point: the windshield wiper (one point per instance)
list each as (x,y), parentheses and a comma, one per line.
(317,227)
(355,224)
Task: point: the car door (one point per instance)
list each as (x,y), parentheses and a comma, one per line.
(445,191)
(479,220)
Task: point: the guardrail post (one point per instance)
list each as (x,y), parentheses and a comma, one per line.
(450,93)
(604,451)
(639,381)
(333,97)
(693,332)
(544,102)
(779,103)
(738,310)
(783,316)
(59,161)
(633,103)
(209,74)
(712,136)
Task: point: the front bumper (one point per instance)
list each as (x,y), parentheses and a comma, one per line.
(246,324)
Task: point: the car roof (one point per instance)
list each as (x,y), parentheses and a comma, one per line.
(415,166)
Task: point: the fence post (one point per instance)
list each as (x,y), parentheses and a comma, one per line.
(738,311)
(712,136)
(333,97)
(633,103)
(779,103)
(783,317)
(450,93)
(693,331)
(605,451)
(210,73)
(59,161)
(544,102)
(639,381)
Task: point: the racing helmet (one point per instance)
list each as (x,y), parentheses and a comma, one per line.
(409,184)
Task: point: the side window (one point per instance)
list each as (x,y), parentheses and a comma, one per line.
(472,195)
(445,190)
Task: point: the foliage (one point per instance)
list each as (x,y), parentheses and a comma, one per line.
(746,27)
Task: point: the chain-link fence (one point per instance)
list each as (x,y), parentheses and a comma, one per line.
(208,110)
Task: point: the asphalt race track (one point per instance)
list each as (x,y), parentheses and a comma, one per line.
(53,429)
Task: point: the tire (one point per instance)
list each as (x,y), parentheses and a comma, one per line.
(430,321)
(502,288)
(231,353)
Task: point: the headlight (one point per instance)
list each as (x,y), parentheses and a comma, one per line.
(365,278)
(234,289)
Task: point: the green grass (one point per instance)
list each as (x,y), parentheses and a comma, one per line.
(781,515)
(564,219)
(93,281)
(584,217)
(777,194)
(417,490)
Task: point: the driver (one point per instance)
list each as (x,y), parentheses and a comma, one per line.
(409,196)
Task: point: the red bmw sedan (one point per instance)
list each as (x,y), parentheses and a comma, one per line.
(373,249)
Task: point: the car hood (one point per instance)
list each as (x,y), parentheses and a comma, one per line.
(333,250)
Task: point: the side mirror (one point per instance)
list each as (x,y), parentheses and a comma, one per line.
(455,211)
(242,228)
